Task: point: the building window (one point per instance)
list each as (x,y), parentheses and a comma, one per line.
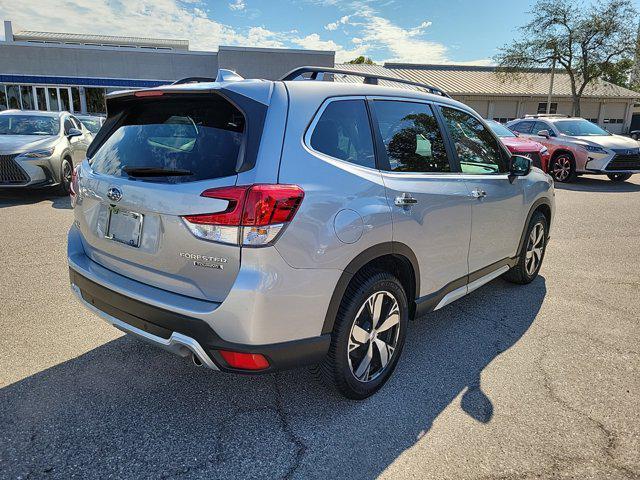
(27,97)
(75,99)
(53,99)
(3,99)
(95,100)
(13,97)
(542,107)
(593,120)
(64,100)
(41,97)
(503,119)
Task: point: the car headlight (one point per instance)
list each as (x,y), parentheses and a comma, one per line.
(43,153)
(594,149)
(544,151)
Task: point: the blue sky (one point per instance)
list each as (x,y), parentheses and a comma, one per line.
(419,31)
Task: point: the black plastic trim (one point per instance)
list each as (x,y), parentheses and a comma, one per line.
(162,323)
(427,303)
(366,256)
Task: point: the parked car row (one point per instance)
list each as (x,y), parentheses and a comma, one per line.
(574,146)
(41,148)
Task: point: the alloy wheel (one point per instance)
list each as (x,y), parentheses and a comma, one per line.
(535,249)
(374,336)
(562,168)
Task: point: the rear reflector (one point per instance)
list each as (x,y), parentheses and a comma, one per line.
(149,93)
(245,361)
(260,211)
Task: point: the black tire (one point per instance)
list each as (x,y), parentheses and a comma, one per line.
(66,168)
(521,273)
(336,369)
(619,177)
(563,168)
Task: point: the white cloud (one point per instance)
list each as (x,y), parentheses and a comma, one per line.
(137,18)
(373,35)
(314,42)
(237,5)
(334,25)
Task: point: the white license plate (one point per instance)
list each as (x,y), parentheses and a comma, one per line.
(124,226)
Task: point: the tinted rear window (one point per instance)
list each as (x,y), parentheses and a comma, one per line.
(198,135)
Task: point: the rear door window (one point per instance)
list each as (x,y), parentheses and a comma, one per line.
(411,136)
(522,127)
(343,132)
(188,138)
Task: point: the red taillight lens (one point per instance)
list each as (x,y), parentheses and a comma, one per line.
(252,205)
(231,215)
(271,204)
(73,190)
(245,361)
(254,215)
(148,93)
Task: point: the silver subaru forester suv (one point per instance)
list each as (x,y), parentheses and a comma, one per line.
(259,225)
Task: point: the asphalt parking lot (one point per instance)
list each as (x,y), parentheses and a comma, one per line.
(541,381)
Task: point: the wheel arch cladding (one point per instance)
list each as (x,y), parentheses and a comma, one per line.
(394,257)
(541,205)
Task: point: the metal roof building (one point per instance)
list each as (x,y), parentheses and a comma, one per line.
(497,96)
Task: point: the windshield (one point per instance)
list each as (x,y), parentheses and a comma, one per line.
(579,128)
(93,125)
(174,140)
(28,125)
(500,130)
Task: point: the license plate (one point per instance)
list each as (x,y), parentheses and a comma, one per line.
(124,226)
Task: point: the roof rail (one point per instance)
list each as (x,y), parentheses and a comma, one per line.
(369,78)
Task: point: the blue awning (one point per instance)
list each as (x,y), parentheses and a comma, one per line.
(81,81)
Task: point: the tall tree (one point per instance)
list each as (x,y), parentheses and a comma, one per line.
(586,40)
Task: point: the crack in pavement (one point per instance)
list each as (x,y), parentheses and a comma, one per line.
(288,429)
(612,440)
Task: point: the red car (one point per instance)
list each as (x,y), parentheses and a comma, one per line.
(537,152)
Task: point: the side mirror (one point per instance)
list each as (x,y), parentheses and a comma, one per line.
(519,166)
(544,133)
(74,132)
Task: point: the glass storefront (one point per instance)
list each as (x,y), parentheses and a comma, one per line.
(95,100)
(53,98)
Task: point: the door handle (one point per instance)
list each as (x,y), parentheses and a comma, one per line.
(405,200)
(478,193)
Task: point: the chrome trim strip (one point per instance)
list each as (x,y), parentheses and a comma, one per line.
(178,343)
(462,291)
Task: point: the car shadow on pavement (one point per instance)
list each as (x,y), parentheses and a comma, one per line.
(598,184)
(13,198)
(129,410)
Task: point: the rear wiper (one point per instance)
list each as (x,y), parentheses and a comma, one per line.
(156,172)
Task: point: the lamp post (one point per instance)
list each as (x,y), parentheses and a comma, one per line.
(553,72)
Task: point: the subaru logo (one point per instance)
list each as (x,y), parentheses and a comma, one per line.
(114,194)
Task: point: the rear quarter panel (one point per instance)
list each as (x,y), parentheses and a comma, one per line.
(331,187)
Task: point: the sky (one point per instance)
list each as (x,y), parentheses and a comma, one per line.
(413,31)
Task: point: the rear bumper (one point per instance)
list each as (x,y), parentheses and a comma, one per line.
(185,335)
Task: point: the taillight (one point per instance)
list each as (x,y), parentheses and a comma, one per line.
(254,215)
(245,361)
(73,188)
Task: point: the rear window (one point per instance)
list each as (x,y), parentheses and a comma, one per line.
(179,139)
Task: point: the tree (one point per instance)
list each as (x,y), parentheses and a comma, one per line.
(584,40)
(361,60)
(619,73)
